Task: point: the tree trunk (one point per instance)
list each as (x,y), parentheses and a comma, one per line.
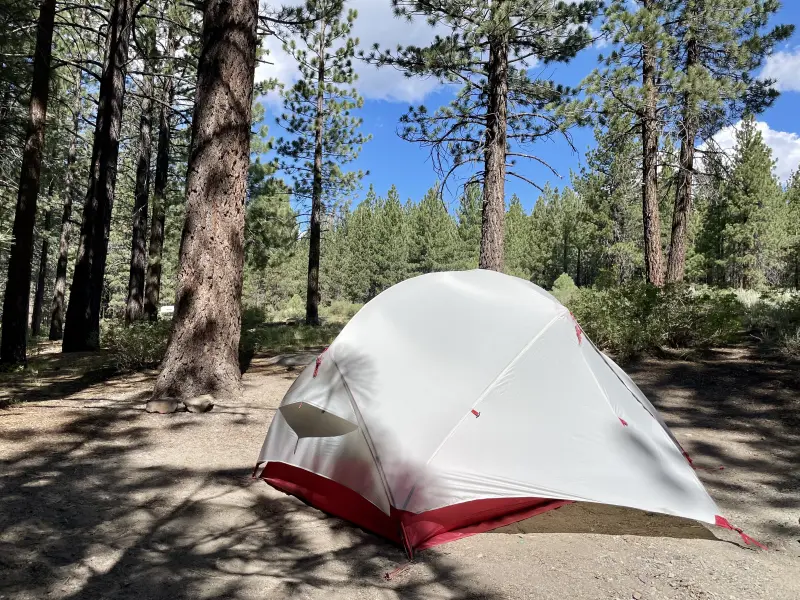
(653,258)
(153,279)
(82,328)
(315,232)
(13,346)
(38,299)
(134,309)
(57,314)
(494,205)
(676,262)
(202,355)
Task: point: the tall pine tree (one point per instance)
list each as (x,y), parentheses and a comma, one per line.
(752,196)
(13,340)
(324,135)
(501,110)
(717,45)
(630,87)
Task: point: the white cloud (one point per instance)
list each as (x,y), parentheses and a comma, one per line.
(784,68)
(376,23)
(785,146)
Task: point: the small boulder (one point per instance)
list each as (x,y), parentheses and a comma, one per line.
(199,404)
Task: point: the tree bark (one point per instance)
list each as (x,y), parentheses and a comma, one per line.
(134,308)
(157,221)
(494,205)
(202,354)
(57,314)
(653,257)
(676,261)
(82,328)
(315,229)
(38,298)
(13,346)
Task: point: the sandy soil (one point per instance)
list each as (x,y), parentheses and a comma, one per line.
(99,499)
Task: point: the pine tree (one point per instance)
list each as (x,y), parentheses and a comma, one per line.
(390,258)
(159,203)
(468,215)
(610,186)
(717,46)
(792,244)
(434,237)
(360,243)
(202,354)
(58,310)
(630,87)
(82,327)
(751,197)
(134,306)
(13,340)
(501,110)
(518,240)
(324,134)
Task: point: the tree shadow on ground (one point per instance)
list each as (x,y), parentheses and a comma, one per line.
(736,409)
(54,375)
(94,510)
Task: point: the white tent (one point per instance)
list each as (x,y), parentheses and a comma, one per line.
(457,402)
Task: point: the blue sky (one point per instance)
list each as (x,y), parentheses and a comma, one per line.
(388,95)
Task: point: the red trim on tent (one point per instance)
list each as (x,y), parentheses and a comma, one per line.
(319,362)
(723,522)
(413,531)
(578,329)
(623,421)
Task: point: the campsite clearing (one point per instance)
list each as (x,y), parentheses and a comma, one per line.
(99,499)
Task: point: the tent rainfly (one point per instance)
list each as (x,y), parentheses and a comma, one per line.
(457,402)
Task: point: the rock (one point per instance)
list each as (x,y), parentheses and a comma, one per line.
(636,595)
(200,404)
(162,406)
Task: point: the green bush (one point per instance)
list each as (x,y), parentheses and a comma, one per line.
(138,346)
(293,310)
(564,289)
(286,337)
(774,318)
(339,311)
(142,345)
(635,318)
(253,316)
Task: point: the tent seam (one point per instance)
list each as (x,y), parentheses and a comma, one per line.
(492,384)
(365,432)
(597,383)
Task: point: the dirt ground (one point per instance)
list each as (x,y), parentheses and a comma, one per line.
(99,499)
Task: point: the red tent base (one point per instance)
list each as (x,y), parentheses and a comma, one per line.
(412,531)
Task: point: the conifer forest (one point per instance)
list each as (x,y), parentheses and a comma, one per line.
(400,299)
(145,178)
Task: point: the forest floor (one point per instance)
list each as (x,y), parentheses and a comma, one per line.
(99,499)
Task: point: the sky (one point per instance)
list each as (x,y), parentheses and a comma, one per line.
(388,94)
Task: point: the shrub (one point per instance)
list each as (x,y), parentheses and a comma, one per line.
(635,318)
(138,346)
(293,310)
(564,288)
(339,311)
(775,319)
(253,316)
(286,337)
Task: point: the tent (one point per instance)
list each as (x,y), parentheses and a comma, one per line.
(457,402)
